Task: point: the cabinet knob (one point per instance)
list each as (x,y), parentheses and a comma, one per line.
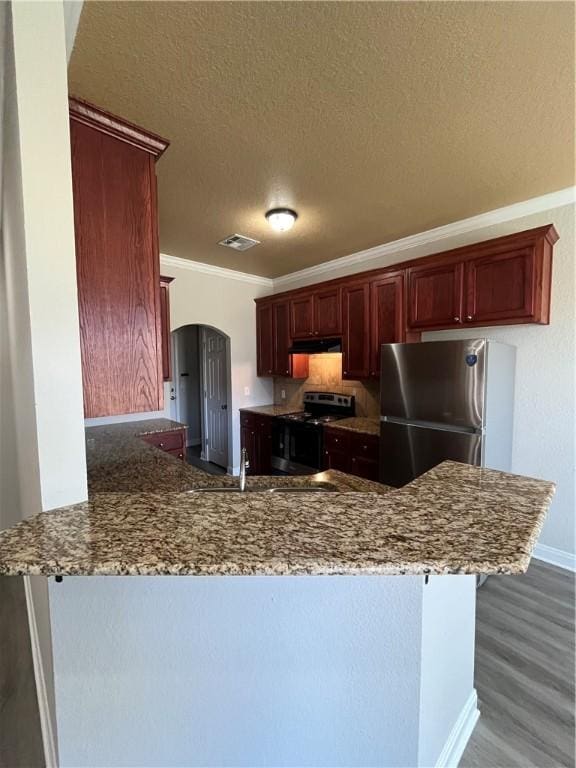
(316,333)
(345,372)
(353,459)
(469,317)
(161,445)
(456,319)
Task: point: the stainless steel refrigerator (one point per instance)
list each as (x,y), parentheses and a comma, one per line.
(445,400)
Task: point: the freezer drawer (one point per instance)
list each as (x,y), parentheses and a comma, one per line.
(407,451)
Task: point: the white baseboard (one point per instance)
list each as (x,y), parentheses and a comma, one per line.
(555,556)
(460,734)
(48,739)
(194,441)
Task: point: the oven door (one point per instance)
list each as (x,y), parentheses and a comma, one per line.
(305,447)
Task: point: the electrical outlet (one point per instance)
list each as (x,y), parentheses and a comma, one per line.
(283,394)
(247,391)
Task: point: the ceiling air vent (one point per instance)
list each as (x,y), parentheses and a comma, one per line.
(239,242)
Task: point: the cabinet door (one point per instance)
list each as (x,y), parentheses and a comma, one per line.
(117,269)
(328,313)
(281,322)
(264,445)
(337,450)
(264,340)
(248,440)
(435,296)
(165,324)
(388,322)
(500,287)
(356,331)
(302,316)
(365,454)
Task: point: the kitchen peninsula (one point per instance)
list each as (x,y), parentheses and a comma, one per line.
(332,662)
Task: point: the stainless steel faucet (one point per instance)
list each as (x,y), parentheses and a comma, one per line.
(244,465)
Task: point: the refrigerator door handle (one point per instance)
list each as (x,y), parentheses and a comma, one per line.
(433,425)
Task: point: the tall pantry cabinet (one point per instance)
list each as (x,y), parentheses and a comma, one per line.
(117,261)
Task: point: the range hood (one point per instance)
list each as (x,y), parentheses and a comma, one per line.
(315,346)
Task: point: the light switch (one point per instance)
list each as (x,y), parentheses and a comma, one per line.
(247,391)
(283,394)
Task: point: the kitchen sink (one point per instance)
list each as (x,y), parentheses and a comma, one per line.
(316,488)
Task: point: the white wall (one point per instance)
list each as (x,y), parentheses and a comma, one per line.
(544,419)
(42,449)
(238,671)
(227,304)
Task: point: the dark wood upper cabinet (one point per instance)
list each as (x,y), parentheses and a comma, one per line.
(501,287)
(506,280)
(498,282)
(264,340)
(318,313)
(285,364)
(387,315)
(328,312)
(356,330)
(165,325)
(302,316)
(435,296)
(117,260)
(281,326)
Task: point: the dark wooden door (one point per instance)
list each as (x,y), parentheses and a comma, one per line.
(263,447)
(328,312)
(388,321)
(435,296)
(264,340)
(500,287)
(365,450)
(356,331)
(114,186)
(336,449)
(302,316)
(281,322)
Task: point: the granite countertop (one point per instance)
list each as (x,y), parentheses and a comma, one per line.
(142,517)
(271,410)
(362,424)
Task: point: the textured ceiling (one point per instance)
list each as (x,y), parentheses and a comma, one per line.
(374,120)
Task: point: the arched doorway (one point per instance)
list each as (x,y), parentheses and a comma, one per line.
(201,393)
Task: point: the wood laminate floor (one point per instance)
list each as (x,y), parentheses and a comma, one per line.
(525,671)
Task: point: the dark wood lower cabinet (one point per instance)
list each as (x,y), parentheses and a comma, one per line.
(256,437)
(356,453)
(173,442)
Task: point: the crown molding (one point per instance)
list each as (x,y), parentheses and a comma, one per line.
(498,216)
(210,269)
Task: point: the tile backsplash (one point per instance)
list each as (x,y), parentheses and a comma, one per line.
(325,375)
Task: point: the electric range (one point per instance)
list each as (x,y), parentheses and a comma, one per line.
(297,438)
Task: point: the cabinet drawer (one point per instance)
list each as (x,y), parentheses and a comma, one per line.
(167,441)
(248,420)
(336,439)
(365,445)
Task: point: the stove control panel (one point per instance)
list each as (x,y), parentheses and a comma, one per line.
(332,399)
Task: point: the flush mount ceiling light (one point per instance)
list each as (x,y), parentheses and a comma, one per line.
(281,219)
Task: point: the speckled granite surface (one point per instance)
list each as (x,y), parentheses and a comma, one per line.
(361,424)
(454,519)
(271,410)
